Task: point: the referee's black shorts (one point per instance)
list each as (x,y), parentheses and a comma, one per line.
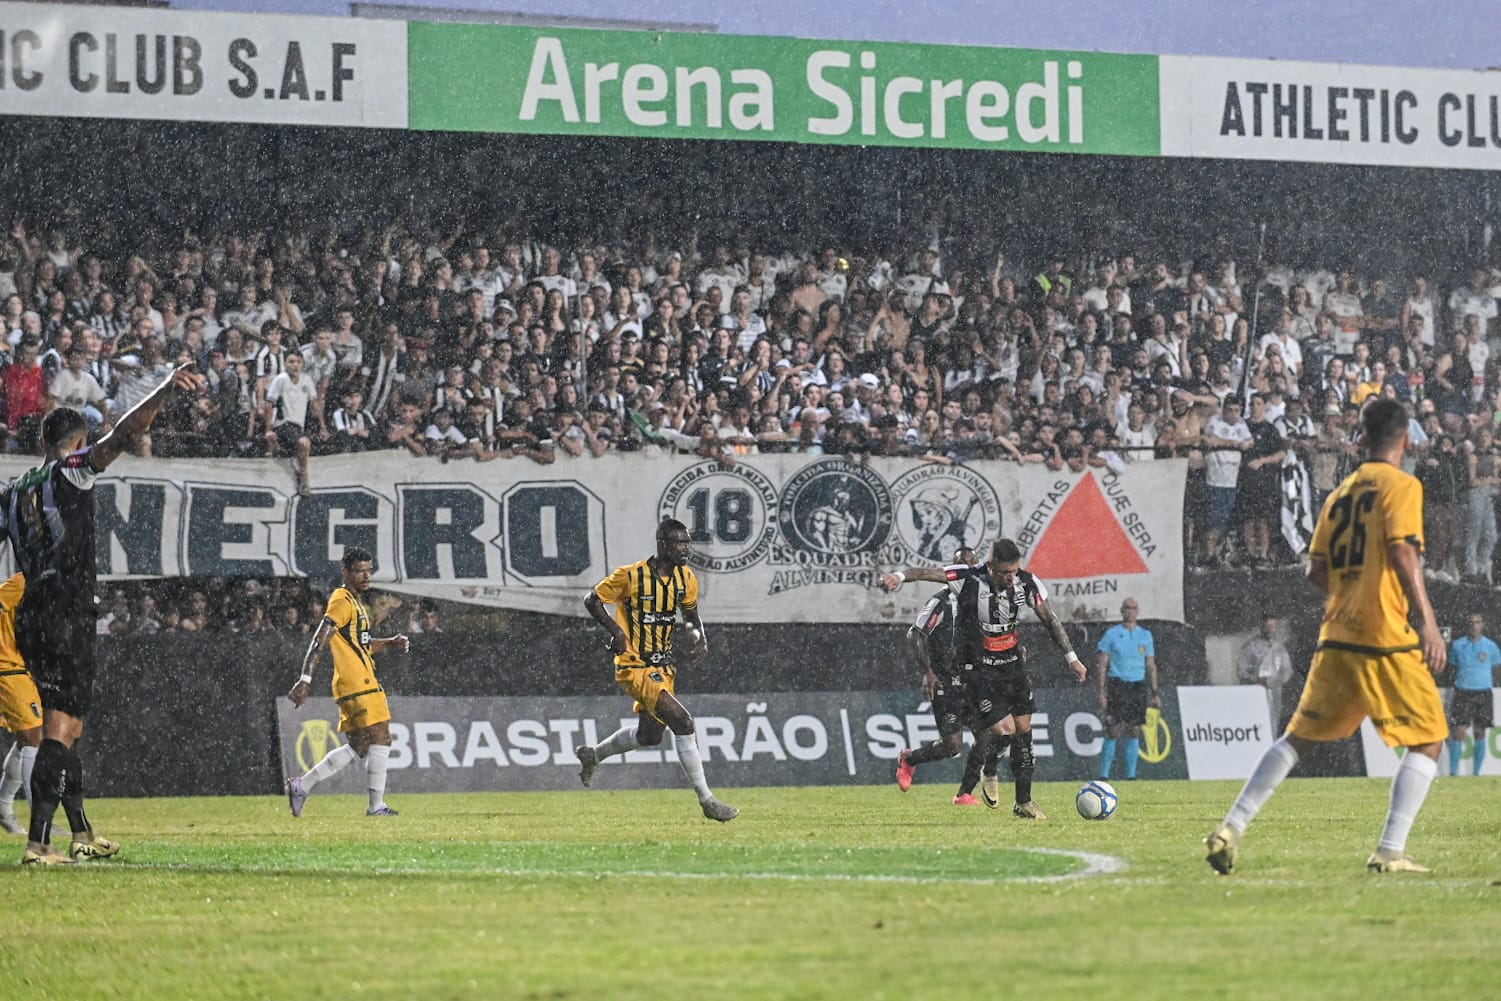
(1472,706)
(1126,702)
(58,647)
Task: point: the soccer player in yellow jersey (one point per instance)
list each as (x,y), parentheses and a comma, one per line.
(20,708)
(648,597)
(1370,662)
(364,716)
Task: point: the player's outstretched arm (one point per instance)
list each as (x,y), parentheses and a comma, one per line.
(400,641)
(138,419)
(1404,557)
(933,575)
(300,691)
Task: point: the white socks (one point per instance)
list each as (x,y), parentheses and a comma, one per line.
(10,783)
(376,759)
(693,765)
(1409,788)
(1273,767)
(19,762)
(328,767)
(619,742)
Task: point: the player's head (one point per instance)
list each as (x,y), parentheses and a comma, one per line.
(1004,563)
(1477,625)
(1383,425)
(64,430)
(1129,610)
(966,556)
(674,545)
(358,566)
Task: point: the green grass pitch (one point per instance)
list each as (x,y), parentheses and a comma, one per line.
(853,892)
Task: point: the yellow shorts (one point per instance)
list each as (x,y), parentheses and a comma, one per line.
(1395,690)
(359,710)
(645,685)
(20,703)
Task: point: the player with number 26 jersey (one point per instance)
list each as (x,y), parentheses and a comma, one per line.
(1367,609)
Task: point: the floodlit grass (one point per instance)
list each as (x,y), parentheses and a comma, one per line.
(854,892)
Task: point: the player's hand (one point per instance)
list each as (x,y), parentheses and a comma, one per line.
(1077,666)
(1156,700)
(1435,652)
(183,377)
(891,582)
(402,642)
(929,685)
(299,693)
(617,641)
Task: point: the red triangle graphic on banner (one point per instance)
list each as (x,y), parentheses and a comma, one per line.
(1084,540)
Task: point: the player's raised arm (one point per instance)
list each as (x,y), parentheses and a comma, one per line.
(933,575)
(138,419)
(299,693)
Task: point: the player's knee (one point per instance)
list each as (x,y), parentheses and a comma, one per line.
(952,745)
(651,739)
(682,726)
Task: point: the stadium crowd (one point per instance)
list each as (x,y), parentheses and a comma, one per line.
(469,345)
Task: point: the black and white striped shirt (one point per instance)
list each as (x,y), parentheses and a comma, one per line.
(348,422)
(386,372)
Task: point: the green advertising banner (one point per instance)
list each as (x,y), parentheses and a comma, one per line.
(474,78)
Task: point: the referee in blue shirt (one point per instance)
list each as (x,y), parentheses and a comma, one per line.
(1474,659)
(1127,665)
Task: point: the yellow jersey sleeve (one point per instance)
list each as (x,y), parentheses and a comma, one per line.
(690,590)
(340,610)
(1402,511)
(615,588)
(11,592)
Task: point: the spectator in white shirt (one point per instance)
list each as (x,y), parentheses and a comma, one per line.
(1226,436)
(289,397)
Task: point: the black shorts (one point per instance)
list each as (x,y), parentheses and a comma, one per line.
(998,692)
(951,706)
(287,436)
(1126,702)
(1472,706)
(58,647)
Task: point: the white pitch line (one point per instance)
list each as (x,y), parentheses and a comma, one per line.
(1094,864)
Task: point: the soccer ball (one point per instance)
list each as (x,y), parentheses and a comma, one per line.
(1097,801)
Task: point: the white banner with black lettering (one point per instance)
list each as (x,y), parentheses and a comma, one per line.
(1262,109)
(776,538)
(84,61)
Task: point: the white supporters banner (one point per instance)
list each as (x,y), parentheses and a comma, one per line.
(1225,729)
(1330,112)
(775,538)
(80,61)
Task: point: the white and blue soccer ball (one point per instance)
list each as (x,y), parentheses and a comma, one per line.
(1097,800)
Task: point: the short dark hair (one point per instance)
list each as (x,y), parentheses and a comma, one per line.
(669,525)
(60,425)
(354,555)
(1383,421)
(1005,551)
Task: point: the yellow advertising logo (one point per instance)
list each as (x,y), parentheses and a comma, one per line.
(1156,737)
(317,738)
